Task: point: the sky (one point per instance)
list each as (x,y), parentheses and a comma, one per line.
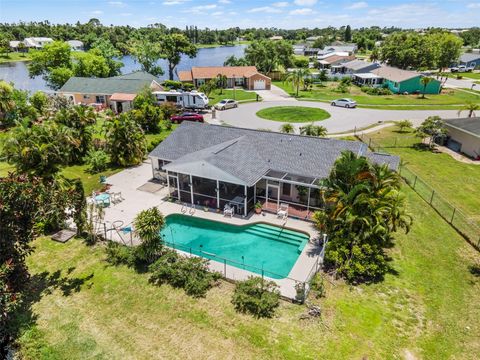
(221,14)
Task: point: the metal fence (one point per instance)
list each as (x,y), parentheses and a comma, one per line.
(451,214)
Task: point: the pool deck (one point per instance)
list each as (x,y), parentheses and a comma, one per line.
(128,181)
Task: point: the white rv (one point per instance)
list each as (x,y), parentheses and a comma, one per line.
(185,100)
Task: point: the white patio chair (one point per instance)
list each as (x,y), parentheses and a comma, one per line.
(282,211)
(228,211)
(117,197)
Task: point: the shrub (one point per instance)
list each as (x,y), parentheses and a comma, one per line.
(346,80)
(342,88)
(172,84)
(168,109)
(153,144)
(317,286)
(190,274)
(375,91)
(301,63)
(97,161)
(257,297)
(118,254)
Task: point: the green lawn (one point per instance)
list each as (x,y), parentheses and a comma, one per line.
(426,309)
(293,114)
(14,56)
(328,93)
(240,95)
(453,180)
(468,75)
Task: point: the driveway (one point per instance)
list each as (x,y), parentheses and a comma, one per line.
(274,94)
(341,119)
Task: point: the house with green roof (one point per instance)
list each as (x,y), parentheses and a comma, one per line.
(404,81)
(116,93)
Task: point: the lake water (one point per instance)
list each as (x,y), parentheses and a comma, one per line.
(17,72)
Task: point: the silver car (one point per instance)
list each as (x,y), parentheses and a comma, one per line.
(346,103)
(226,104)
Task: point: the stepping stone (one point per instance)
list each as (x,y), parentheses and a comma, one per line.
(63,235)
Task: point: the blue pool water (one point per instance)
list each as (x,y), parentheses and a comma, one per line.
(261,245)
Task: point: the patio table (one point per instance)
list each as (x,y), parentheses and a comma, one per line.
(103,199)
(238,203)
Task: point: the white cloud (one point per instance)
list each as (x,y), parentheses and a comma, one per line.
(125,14)
(217,13)
(174,2)
(204,7)
(266,9)
(474,5)
(357,5)
(303,11)
(280,4)
(224,2)
(97,12)
(117,3)
(305,2)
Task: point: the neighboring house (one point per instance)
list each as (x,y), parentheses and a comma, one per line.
(355,67)
(463,135)
(302,49)
(116,93)
(37,42)
(212,165)
(276,38)
(244,76)
(75,45)
(312,38)
(334,60)
(470,59)
(15,45)
(348,48)
(404,81)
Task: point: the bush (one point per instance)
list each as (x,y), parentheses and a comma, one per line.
(118,254)
(257,297)
(172,84)
(376,91)
(317,286)
(168,109)
(97,161)
(301,62)
(190,274)
(153,144)
(342,88)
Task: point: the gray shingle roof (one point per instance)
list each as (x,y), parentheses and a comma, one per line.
(357,64)
(249,154)
(128,84)
(467,57)
(469,125)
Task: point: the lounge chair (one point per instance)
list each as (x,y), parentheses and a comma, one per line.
(282,211)
(228,211)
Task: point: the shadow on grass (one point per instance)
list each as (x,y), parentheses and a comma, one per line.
(474,270)
(38,286)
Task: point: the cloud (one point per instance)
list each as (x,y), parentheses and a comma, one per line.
(117,3)
(266,9)
(97,12)
(173,2)
(224,2)
(305,2)
(303,11)
(474,5)
(280,4)
(217,13)
(357,5)
(204,7)
(125,14)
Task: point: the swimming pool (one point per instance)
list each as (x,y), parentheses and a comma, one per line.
(250,247)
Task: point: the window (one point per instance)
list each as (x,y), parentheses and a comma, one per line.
(86,97)
(286,189)
(100,99)
(200,82)
(239,81)
(171,98)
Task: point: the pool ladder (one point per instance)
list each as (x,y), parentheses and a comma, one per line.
(188,207)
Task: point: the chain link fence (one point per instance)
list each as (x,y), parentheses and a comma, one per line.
(452,215)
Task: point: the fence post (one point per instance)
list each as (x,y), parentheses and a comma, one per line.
(453,214)
(370,143)
(415,181)
(225,267)
(105,230)
(431,199)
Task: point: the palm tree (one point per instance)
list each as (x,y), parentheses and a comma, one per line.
(7,103)
(313,130)
(287,128)
(425,81)
(471,108)
(148,224)
(222,82)
(297,78)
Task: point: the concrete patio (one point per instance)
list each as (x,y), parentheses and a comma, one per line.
(121,215)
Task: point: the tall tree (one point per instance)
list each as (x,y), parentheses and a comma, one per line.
(425,80)
(172,48)
(432,128)
(297,78)
(147,55)
(365,209)
(348,34)
(470,108)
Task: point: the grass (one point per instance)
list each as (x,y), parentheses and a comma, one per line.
(328,92)
(85,308)
(239,95)
(453,180)
(293,114)
(468,75)
(14,56)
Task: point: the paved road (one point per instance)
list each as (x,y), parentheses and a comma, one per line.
(341,119)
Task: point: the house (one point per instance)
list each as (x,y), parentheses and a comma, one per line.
(348,48)
(332,60)
(214,165)
(312,38)
(15,45)
(116,93)
(244,76)
(404,81)
(355,67)
(463,135)
(37,42)
(276,38)
(470,60)
(75,45)
(305,49)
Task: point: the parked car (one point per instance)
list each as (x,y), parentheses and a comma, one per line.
(226,104)
(186,116)
(462,68)
(346,103)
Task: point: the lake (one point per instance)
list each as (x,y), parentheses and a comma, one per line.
(17,71)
